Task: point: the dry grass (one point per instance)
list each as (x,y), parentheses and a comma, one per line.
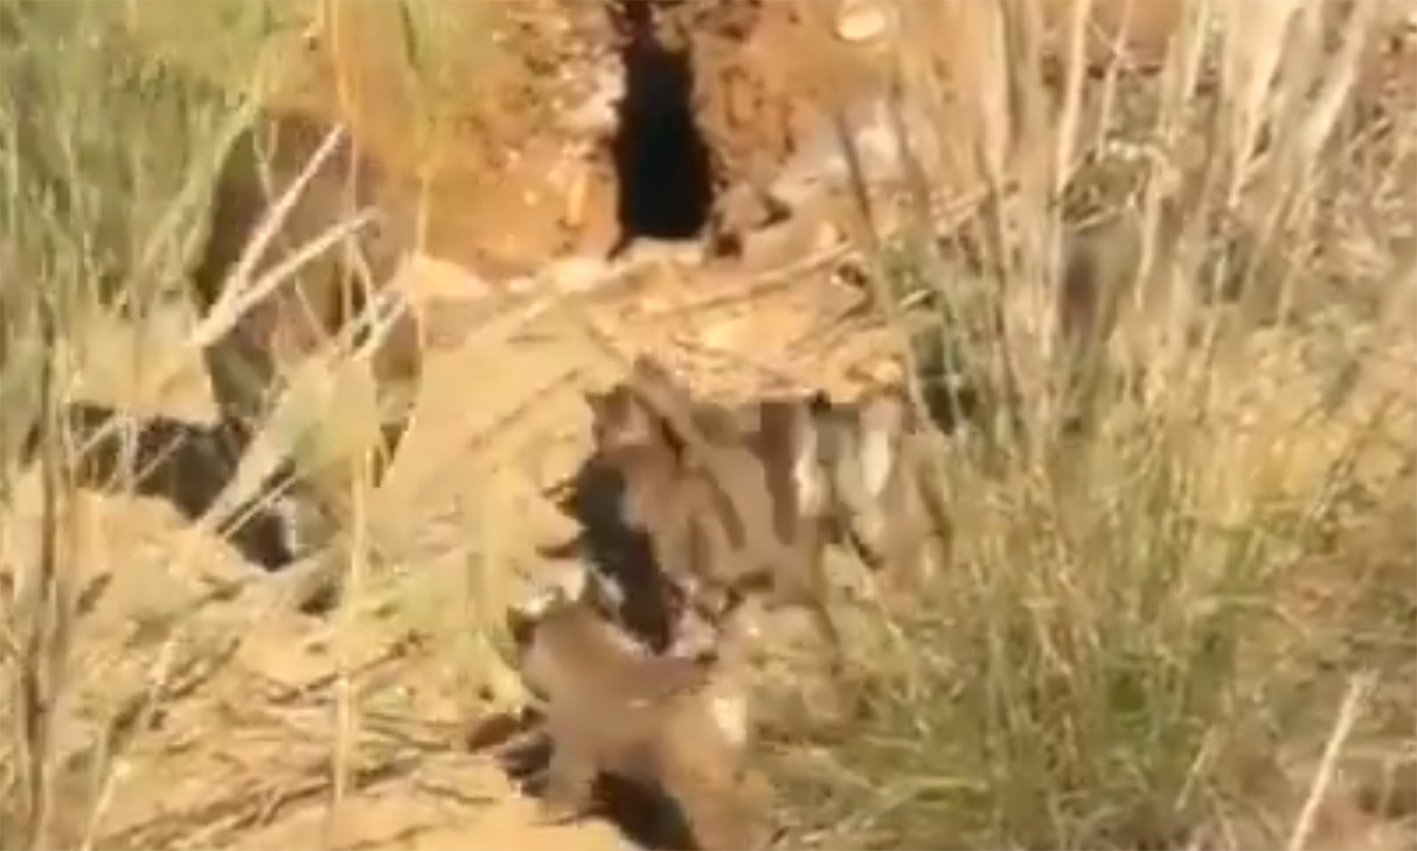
(90,226)
(1152,620)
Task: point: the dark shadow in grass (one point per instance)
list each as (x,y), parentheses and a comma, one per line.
(187,464)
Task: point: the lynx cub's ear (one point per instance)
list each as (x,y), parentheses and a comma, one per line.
(569,581)
(564,583)
(524,615)
(648,368)
(597,401)
(577,582)
(570,587)
(523,618)
(619,420)
(654,387)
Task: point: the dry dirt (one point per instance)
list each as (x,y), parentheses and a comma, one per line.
(225,700)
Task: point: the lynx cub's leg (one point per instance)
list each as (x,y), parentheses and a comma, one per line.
(570,780)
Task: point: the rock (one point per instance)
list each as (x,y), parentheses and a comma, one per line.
(864,20)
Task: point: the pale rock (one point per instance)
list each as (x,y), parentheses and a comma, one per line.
(864,20)
(577,274)
(423,276)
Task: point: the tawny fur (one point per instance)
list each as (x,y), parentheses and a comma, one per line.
(730,499)
(664,723)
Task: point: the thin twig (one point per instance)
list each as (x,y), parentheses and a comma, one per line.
(1359,687)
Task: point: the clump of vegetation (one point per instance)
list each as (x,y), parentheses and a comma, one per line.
(104,157)
(1180,611)
(113,119)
